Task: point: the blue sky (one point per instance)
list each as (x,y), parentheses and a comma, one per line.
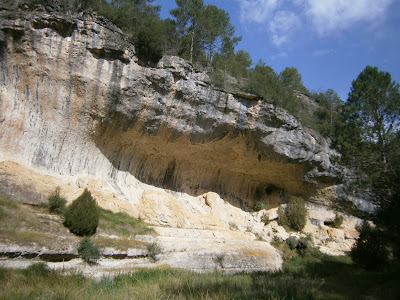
(329,41)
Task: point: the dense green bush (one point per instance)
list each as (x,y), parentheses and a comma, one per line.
(57,202)
(82,216)
(370,251)
(88,250)
(295,214)
(301,243)
(292,242)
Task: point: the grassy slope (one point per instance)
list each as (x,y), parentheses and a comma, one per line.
(27,225)
(320,277)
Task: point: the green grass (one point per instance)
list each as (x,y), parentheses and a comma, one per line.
(121,223)
(27,225)
(308,276)
(122,244)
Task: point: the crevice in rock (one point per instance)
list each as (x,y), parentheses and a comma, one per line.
(62,26)
(109,54)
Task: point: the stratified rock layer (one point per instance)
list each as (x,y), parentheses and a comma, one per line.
(74,101)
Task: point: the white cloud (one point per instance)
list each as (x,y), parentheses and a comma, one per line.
(283,25)
(279,55)
(332,15)
(257,11)
(284,17)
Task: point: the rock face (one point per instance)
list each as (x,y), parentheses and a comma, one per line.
(75,101)
(160,142)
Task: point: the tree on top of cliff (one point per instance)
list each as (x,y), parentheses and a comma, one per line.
(202,29)
(291,78)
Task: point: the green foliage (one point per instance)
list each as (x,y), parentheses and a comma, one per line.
(204,29)
(282,217)
(82,216)
(295,214)
(119,218)
(88,250)
(370,250)
(292,242)
(327,117)
(263,81)
(369,139)
(291,79)
(284,248)
(315,276)
(371,117)
(153,250)
(37,270)
(219,260)
(121,223)
(338,221)
(57,202)
(259,206)
(303,244)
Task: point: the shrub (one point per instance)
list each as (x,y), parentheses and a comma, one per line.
(287,253)
(295,214)
(369,251)
(219,260)
(88,250)
(37,270)
(292,242)
(265,218)
(282,217)
(153,250)
(338,221)
(82,216)
(259,206)
(57,202)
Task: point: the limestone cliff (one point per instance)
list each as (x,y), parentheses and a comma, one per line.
(75,101)
(78,110)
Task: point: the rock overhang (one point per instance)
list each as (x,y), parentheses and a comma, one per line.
(167,126)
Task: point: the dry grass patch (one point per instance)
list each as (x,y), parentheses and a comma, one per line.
(122,244)
(121,224)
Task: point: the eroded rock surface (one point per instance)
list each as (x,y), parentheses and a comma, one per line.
(78,110)
(75,101)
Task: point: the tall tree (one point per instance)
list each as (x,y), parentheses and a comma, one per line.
(291,78)
(265,82)
(187,16)
(373,106)
(369,139)
(327,115)
(215,26)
